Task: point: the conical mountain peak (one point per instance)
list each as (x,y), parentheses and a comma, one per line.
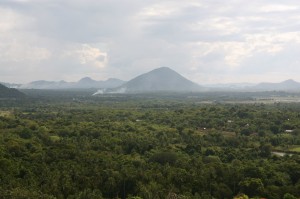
(160,79)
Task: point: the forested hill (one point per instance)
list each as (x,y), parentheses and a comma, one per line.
(10,92)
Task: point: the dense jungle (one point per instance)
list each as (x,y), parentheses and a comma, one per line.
(132,147)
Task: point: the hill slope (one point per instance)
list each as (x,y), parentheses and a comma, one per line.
(160,79)
(10,92)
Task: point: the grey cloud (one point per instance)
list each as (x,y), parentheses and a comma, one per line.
(129,37)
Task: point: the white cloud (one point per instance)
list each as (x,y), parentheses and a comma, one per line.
(157,11)
(15,43)
(278,8)
(234,53)
(8,20)
(164,9)
(218,25)
(11,20)
(87,55)
(18,52)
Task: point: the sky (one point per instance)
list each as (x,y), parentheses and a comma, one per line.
(207,41)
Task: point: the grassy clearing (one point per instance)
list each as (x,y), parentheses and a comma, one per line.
(54,138)
(295,149)
(5,113)
(203,132)
(287,149)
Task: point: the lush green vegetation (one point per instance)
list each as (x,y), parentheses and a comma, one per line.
(145,147)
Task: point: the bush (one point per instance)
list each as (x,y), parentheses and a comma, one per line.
(164,158)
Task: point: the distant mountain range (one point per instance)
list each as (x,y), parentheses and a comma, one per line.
(288,85)
(6,92)
(158,80)
(232,86)
(84,83)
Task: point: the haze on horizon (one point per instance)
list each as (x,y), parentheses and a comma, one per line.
(205,41)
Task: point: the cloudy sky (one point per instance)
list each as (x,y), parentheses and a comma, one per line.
(207,41)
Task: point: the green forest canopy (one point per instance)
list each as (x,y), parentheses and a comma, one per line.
(148,149)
